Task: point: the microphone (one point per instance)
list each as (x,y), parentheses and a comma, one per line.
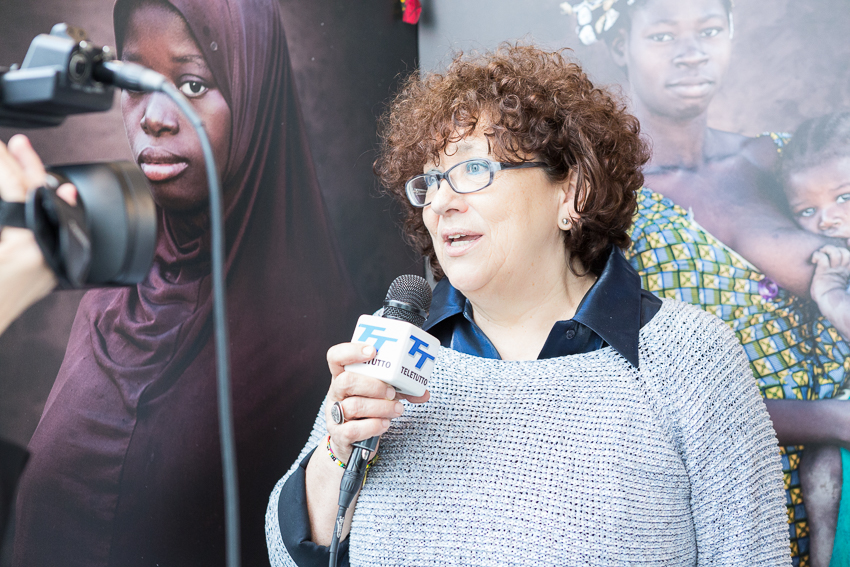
(406,354)
(404,361)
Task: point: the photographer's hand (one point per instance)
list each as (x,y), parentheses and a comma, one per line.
(24,276)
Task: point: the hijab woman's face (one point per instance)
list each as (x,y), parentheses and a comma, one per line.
(163,143)
(675,53)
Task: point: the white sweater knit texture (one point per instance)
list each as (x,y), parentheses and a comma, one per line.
(581,460)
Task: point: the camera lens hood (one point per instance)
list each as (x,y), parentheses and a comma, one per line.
(120,216)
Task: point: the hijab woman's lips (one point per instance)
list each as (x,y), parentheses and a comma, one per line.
(163,171)
(158,165)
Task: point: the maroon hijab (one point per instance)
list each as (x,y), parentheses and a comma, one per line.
(125,468)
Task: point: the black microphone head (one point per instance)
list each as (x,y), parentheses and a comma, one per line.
(408,299)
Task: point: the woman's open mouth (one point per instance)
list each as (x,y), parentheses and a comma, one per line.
(161,165)
(458,243)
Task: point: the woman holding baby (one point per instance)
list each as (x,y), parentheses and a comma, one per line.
(713,229)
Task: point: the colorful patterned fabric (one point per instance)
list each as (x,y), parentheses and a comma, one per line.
(794,352)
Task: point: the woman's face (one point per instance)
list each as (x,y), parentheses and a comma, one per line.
(501,237)
(819,198)
(675,53)
(163,143)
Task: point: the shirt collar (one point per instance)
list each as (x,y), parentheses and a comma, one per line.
(611,308)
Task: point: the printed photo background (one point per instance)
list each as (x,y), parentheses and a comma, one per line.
(315,246)
(787,64)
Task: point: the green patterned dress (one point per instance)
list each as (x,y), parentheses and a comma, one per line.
(794,352)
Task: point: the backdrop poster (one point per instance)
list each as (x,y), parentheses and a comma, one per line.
(125,466)
(723,221)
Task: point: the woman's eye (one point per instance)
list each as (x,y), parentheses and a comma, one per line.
(843,198)
(431,181)
(477,168)
(661,37)
(193,89)
(806,212)
(710,32)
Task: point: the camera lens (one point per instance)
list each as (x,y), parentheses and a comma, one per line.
(79,68)
(121,218)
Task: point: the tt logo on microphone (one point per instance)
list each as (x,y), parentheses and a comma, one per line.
(417,349)
(369,332)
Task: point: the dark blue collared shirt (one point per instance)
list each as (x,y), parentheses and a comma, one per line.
(611,313)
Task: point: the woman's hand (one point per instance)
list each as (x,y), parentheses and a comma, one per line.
(367,403)
(24,276)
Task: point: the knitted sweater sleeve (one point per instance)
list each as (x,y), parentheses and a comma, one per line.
(718,419)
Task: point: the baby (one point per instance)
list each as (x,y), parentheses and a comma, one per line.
(815,171)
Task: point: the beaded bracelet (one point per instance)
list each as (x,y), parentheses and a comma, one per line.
(338,461)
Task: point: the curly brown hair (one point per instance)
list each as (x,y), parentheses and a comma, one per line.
(529,103)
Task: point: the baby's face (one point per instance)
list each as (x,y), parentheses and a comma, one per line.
(819,198)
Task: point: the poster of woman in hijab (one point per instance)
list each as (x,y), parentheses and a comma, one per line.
(742,209)
(125,465)
(131,417)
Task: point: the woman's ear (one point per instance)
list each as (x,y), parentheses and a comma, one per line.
(617,47)
(566,201)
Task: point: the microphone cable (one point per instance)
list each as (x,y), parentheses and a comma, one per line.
(135,77)
(352,481)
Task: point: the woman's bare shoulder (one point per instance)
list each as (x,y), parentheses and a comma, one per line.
(760,151)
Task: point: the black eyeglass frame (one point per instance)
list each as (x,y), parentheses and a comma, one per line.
(493,166)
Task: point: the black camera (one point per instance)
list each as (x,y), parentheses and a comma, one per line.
(110,236)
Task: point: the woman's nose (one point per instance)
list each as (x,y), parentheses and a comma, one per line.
(691,53)
(446,199)
(161,116)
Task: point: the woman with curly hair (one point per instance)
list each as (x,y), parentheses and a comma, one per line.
(573,418)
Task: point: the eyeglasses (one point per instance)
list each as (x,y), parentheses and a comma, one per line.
(465,177)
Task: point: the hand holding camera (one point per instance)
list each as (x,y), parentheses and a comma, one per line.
(24,275)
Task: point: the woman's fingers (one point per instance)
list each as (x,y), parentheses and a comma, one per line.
(415,399)
(32,168)
(348,384)
(67,193)
(348,353)
(368,404)
(21,170)
(12,180)
(350,432)
(344,354)
(360,408)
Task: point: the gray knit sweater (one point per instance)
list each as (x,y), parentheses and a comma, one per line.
(579,460)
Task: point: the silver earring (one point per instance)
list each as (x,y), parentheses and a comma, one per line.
(565,222)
